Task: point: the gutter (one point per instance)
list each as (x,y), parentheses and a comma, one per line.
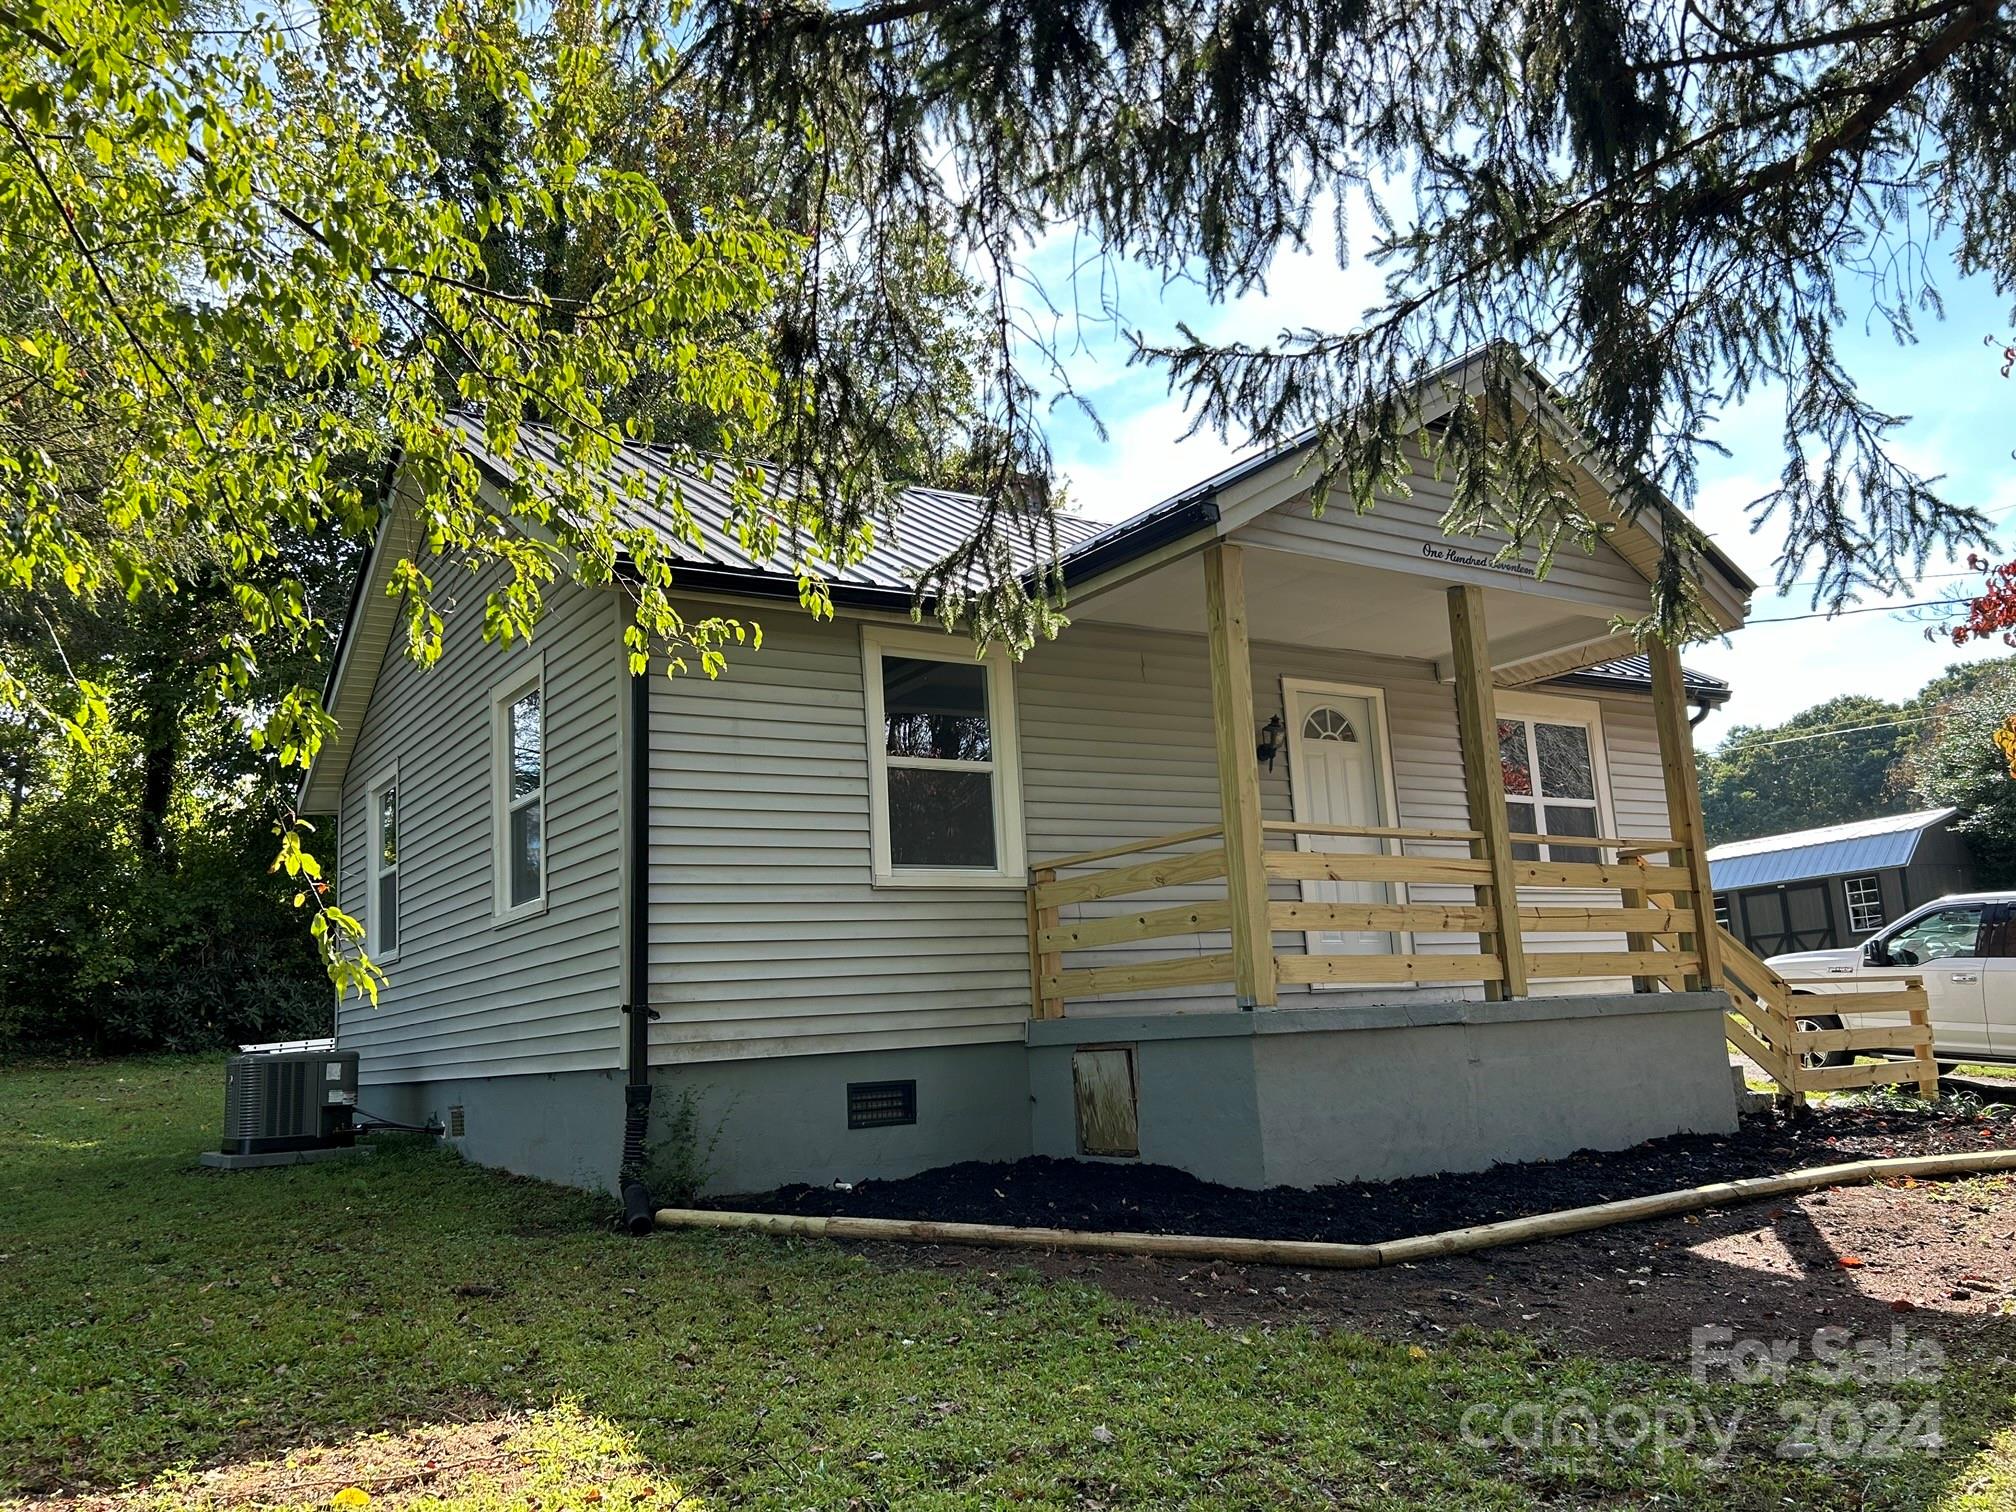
(637,1011)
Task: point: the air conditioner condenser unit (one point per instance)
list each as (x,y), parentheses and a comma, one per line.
(287,1105)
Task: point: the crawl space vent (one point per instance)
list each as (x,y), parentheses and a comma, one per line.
(880,1105)
(455,1122)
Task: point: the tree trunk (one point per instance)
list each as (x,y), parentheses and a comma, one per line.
(161,742)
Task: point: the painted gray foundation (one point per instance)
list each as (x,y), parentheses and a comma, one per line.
(1292,1097)
(563,1126)
(784,1119)
(1403,1088)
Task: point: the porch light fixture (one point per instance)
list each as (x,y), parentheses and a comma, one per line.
(1270,740)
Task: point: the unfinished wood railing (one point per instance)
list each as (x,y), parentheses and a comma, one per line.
(1658,946)
(1050,937)
(1768,1008)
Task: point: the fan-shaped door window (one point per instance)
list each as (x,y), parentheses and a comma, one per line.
(1327,723)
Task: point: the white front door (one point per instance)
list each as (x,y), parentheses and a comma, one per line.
(1339,773)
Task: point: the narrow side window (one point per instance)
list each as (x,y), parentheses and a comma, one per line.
(520,785)
(382,908)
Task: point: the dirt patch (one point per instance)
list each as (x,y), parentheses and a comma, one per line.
(554,1458)
(1159,1199)
(1936,1256)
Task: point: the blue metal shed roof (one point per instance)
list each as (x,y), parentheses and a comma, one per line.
(1865,846)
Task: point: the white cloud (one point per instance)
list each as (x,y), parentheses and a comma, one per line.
(1961,430)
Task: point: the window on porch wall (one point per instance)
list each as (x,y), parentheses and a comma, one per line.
(1550,786)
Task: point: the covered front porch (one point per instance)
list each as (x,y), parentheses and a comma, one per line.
(1270,999)
(1313,903)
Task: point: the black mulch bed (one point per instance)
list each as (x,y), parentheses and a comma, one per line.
(1050,1193)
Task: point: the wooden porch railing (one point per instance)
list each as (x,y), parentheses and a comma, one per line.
(1766,1007)
(1657,946)
(1764,1025)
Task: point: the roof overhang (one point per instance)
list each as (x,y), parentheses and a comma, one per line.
(1257,484)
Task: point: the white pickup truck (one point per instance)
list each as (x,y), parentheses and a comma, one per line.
(1964,949)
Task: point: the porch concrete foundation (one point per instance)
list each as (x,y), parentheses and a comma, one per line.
(1280,1097)
(1399,1089)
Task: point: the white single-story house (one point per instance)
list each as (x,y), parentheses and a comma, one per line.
(1316,847)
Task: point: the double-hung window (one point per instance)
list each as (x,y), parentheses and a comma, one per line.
(945,801)
(381,909)
(1865,904)
(519,787)
(1551,752)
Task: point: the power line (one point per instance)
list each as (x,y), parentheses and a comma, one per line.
(1759,745)
(1923,577)
(1786,619)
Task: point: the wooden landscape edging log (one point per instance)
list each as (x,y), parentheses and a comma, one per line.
(1316,1252)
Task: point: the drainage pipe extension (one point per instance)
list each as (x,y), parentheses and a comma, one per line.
(637,965)
(1314,1253)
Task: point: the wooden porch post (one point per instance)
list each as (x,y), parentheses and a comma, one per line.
(1484,787)
(1683,810)
(1238,776)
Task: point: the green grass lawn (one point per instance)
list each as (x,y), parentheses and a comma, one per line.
(163,1317)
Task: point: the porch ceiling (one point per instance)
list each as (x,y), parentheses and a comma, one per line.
(1303,601)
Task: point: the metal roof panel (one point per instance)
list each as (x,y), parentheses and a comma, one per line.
(1865,846)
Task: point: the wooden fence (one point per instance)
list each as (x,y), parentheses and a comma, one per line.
(1659,950)
(1657,945)
(1767,1012)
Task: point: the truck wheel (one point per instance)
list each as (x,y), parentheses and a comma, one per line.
(1814,1060)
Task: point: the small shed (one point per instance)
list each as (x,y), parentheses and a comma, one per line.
(1820,889)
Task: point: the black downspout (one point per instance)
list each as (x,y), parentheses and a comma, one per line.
(637,1206)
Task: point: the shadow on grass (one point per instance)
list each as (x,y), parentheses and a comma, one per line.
(169,1317)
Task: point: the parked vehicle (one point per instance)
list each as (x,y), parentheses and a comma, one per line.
(1964,950)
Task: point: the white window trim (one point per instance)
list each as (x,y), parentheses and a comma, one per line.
(502,696)
(1012,869)
(1848,892)
(374,868)
(1549,708)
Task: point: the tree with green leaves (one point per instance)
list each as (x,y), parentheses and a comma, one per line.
(240,274)
(1830,764)
(1955,759)
(252,258)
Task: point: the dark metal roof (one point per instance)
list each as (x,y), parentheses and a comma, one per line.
(928,524)
(1868,845)
(1634,674)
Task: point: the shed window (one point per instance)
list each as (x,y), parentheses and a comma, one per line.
(1550,752)
(1722,910)
(945,800)
(382,909)
(1865,904)
(519,784)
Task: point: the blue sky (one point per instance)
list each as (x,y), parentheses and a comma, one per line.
(1963,426)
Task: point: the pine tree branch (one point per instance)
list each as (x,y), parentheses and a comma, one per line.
(1881,99)
(1759,52)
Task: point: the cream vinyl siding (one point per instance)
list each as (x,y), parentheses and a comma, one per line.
(470,995)
(768,937)
(1394,534)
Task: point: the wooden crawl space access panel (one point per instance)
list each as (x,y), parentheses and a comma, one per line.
(1107,1099)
